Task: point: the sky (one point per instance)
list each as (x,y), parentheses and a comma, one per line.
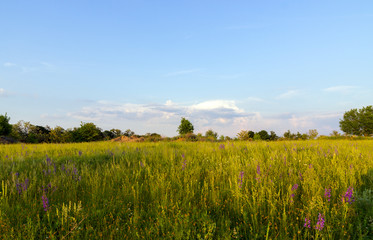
(224,65)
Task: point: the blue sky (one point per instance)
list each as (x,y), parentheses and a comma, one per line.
(224,65)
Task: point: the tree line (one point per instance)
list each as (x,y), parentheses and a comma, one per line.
(358,122)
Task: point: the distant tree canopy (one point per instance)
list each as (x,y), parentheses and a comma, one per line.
(185,127)
(211,134)
(358,121)
(5,126)
(87,132)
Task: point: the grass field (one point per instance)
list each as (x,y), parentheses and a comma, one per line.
(319,189)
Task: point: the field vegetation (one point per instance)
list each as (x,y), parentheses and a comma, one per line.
(314,189)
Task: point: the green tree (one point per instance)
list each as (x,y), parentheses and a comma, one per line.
(185,127)
(87,132)
(250,134)
(312,133)
(243,135)
(21,130)
(211,134)
(264,135)
(116,132)
(38,134)
(57,135)
(288,135)
(129,133)
(358,121)
(5,126)
(273,136)
(335,133)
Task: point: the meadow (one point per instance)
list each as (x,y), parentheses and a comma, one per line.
(315,189)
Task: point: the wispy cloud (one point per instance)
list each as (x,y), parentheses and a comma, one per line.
(9,64)
(254,99)
(289,94)
(181,72)
(340,89)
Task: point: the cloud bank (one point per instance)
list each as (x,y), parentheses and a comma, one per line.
(223,116)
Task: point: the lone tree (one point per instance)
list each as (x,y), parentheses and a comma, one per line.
(358,121)
(185,127)
(5,126)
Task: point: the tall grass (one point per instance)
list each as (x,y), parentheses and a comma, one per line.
(238,190)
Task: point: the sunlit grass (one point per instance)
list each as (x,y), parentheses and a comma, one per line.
(242,190)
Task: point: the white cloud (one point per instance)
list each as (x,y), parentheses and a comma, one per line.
(288,94)
(9,64)
(215,104)
(208,113)
(340,89)
(223,116)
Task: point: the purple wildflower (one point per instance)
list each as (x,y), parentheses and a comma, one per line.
(222,146)
(48,160)
(300,176)
(348,196)
(320,222)
(45,202)
(294,188)
(17,174)
(327,193)
(184,164)
(241,178)
(183,155)
(307,222)
(19,188)
(258,169)
(141,164)
(25,185)
(80,153)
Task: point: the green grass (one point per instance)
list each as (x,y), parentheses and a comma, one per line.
(186,190)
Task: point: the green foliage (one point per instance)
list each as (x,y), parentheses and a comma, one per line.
(288,135)
(87,132)
(21,130)
(129,133)
(211,134)
(243,135)
(264,135)
(5,126)
(185,127)
(273,136)
(358,121)
(58,135)
(312,133)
